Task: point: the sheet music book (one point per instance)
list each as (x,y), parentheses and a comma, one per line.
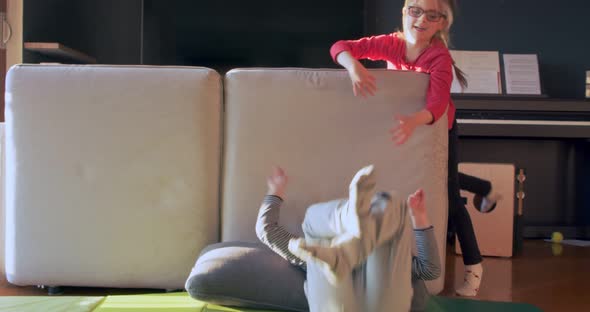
(522,74)
(482,70)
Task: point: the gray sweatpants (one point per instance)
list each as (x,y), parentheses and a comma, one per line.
(383,281)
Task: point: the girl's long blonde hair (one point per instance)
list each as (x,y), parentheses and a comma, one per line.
(448,7)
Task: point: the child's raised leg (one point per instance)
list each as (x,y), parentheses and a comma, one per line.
(332,218)
(340,255)
(325,296)
(388,267)
(383,281)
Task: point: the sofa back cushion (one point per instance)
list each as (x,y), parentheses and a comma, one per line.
(112,174)
(309,122)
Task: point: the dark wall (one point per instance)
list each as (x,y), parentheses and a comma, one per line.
(556,31)
(108,30)
(41,21)
(111,29)
(230,33)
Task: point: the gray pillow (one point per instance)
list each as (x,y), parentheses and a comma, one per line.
(247,275)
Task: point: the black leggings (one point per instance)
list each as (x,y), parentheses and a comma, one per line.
(474,185)
(458,216)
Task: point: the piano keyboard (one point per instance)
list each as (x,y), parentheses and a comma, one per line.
(523,122)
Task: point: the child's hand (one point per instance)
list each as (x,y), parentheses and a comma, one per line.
(402,132)
(418,212)
(277,182)
(363,82)
(416,202)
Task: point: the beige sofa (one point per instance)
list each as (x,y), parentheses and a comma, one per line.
(118,176)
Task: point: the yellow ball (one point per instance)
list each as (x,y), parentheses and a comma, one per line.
(556,237)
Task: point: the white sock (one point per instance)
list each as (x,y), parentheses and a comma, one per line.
(361,191)
(337,260)
(472,280)
(350,248)
(326,261)
(489,202)
(337,257)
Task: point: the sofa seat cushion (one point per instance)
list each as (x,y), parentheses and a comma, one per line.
(245,274)
(308,122)
(112,173)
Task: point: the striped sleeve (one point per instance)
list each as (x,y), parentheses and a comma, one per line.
(426,264)
(271,233)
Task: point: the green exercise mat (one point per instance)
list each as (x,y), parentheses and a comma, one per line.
(443,304)
(436,304)
(159,302)
(47,303)
(162,302)
(177,302)
(181,302)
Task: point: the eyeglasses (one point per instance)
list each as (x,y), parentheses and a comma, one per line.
(431,15)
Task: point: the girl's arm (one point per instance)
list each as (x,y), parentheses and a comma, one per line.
(373,48)
(438,97)
(268,229)
(348,52)
(363,82)
(271,233)
(426,264)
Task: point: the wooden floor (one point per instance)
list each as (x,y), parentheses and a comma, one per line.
(554,278)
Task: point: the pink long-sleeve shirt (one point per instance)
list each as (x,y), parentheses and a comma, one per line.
(435,60)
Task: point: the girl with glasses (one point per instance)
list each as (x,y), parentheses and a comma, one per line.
(422,46)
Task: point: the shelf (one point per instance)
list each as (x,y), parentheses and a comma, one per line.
(56,49)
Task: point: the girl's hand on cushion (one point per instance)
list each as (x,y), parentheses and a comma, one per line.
(363,83)
(402,132)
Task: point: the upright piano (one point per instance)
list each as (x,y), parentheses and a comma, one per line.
(523,117)
(550,139)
